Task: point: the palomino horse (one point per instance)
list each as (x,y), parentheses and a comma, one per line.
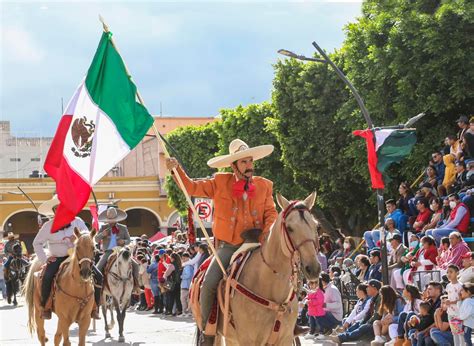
(74,296)
(16,273)
(118,286)
(264,305)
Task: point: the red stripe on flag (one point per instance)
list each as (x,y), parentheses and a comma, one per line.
(73,192)
(375,175)
(95,216)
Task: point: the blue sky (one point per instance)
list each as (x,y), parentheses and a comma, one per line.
(193,57)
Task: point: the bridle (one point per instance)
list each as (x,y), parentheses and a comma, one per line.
(288,247)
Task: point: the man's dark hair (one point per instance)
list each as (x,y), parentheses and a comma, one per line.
(325,278)
(455,196)
(425,305)
(186,254)
(437,285)
(423,201)
(468,287)
(335,269)
(437,152)
(362,287)
(375,253)
(445,240)
(365,260)
(390,201)
(454,267)
(461,163)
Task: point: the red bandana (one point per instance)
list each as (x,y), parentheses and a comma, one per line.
(115,230)
(238,189)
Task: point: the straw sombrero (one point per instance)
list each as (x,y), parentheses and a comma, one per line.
(112,214)
(46,208)
(238,149)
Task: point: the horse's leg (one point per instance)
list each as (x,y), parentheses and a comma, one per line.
(121,318)
(59,335)
(106,325)
(83,328)
(63,328)
(40,325)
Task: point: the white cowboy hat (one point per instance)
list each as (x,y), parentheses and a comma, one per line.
(238,149)
(46,208)
(112,214)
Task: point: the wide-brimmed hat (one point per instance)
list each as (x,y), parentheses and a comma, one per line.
(46,208)
(12,235)
(112,214)
(238,149)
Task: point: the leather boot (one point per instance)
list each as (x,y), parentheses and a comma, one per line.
(46,314)
(300,330)
(156,305)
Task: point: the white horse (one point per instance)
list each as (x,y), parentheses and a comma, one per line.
(118,286)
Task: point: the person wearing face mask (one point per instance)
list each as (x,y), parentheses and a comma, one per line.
(436,206)
(458,220)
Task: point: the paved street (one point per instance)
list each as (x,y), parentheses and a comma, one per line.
(141,328)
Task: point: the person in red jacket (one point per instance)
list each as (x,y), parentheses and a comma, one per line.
(458,220)
(425,259)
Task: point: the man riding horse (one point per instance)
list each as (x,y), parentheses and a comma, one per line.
(242,201)
(10,251)
(59,243)
(115,234)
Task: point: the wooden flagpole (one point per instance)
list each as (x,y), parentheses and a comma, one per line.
(176,174)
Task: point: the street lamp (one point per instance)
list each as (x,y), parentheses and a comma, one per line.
(290,54)
(370,124)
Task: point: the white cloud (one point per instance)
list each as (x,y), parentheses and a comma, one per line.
(19,46)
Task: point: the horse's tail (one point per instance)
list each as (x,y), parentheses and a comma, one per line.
(29,293)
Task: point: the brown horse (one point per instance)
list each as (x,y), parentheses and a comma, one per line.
(270,274)
(74,297)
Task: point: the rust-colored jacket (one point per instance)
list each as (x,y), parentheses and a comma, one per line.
(233,215)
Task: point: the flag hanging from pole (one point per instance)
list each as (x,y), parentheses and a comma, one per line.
(102,123)
(385,147)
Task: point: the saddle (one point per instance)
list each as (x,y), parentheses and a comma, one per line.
(108,265)
(226,291)
(40,275)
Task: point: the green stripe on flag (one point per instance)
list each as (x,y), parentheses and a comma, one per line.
(395,148)
(113,91)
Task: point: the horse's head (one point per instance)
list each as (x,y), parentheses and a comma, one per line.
(300,233)
(84,252)
(124,254)
(17,250)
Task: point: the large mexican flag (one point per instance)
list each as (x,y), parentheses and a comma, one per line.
(102,123)
(384,147)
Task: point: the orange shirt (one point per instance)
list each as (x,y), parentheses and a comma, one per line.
(233,215)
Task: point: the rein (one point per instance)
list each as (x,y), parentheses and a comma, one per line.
(289,249)
(81,300)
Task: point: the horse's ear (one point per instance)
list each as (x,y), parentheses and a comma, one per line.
(282,201)
(77,233)
(309,201)
(93,233)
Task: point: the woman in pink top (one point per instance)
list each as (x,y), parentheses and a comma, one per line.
(315,300)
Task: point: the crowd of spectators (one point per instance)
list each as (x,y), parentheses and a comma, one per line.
(431,268)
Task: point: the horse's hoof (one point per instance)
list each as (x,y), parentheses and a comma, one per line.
(107,335)
(121,339)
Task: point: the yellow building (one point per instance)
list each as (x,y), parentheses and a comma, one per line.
(147,207)
(134,185)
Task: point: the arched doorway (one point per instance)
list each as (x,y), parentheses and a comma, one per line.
(142,221)
(25,224)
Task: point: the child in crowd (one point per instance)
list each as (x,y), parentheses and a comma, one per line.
(315,299)
(466,311)
(420,323)
(302,309)
(453,289)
